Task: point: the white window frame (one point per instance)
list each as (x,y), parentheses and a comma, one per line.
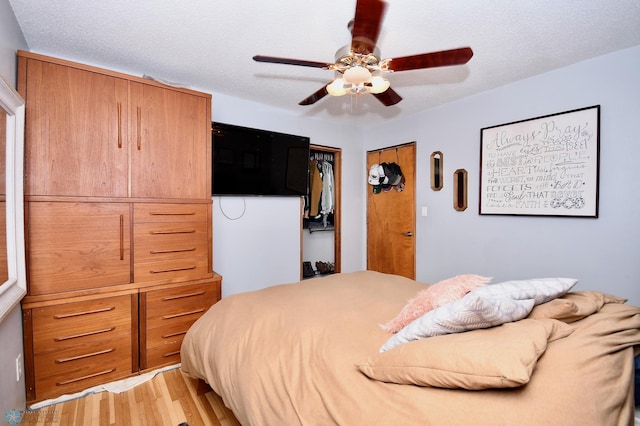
(14,289)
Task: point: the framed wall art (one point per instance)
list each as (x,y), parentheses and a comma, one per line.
(544,166)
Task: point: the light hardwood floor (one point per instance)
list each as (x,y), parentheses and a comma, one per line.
(170,398)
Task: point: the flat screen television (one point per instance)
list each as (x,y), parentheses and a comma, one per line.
(258,162)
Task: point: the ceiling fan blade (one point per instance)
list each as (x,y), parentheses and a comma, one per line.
(288,61)
(431,60)
(388,97)
(366,25)
(319,94)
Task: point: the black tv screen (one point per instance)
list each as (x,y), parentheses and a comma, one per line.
(258,162)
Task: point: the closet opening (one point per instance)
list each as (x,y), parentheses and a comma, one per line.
(320,236)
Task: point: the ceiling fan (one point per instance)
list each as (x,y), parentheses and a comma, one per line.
(358,66)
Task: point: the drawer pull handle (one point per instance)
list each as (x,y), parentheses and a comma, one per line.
(75,358)
(121,237)
(119,125)
(89,376)
(168,354)
(139,127)
(160,271)
(90,333)
(77,314)
(184,314)
(171,251)
(172,213)
(182,231)
(166,336)
(182,296)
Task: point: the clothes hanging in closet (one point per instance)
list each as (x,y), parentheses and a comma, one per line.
(326,200)
(315,188)
(321,194)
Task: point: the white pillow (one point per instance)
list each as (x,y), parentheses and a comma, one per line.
(472,312)
(483,307)
(541,290)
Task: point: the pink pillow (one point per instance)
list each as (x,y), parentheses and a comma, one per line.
(436,295)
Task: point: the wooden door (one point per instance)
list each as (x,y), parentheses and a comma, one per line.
(75,131)
(76,246)
(391,216)
(170,143)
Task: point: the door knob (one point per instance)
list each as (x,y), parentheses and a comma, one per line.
(408,234)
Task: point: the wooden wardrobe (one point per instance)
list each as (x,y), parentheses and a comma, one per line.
(118,223)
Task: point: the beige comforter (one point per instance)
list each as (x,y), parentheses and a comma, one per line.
(298,353)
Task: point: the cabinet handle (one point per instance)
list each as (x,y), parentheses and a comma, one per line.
(75,358)
(89,376)
(160,271)
(171,251)
(168,354)
(166,336)
(172,213)
(90,333)
(184,314)
(121,237)
(119,125)
(182,296)
(77,314)
(182,231)
(139,125)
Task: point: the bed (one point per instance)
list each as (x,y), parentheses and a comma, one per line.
(310,353)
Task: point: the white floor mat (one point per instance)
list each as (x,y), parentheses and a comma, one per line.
(115,387)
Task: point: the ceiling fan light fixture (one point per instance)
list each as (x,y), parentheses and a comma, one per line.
(357,75)
(358,66)
(378,84)
(337,87)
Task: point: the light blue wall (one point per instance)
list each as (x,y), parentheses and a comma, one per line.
(11,39)
(12,392)
(603,253)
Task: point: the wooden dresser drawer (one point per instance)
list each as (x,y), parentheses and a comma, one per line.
(150,212)
(171,243)
(81,344)
(82,367)
(171,270)
(70,336)
(160,241)
(178,306)
(81,316)
(164,355)
(168,315)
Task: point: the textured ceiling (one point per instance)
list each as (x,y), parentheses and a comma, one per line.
(208,44)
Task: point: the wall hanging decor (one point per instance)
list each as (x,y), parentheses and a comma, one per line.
(437,165)
(460,180)
(547,166)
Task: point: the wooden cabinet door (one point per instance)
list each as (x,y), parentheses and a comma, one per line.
(77,246)
(170,134)
(76,128)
